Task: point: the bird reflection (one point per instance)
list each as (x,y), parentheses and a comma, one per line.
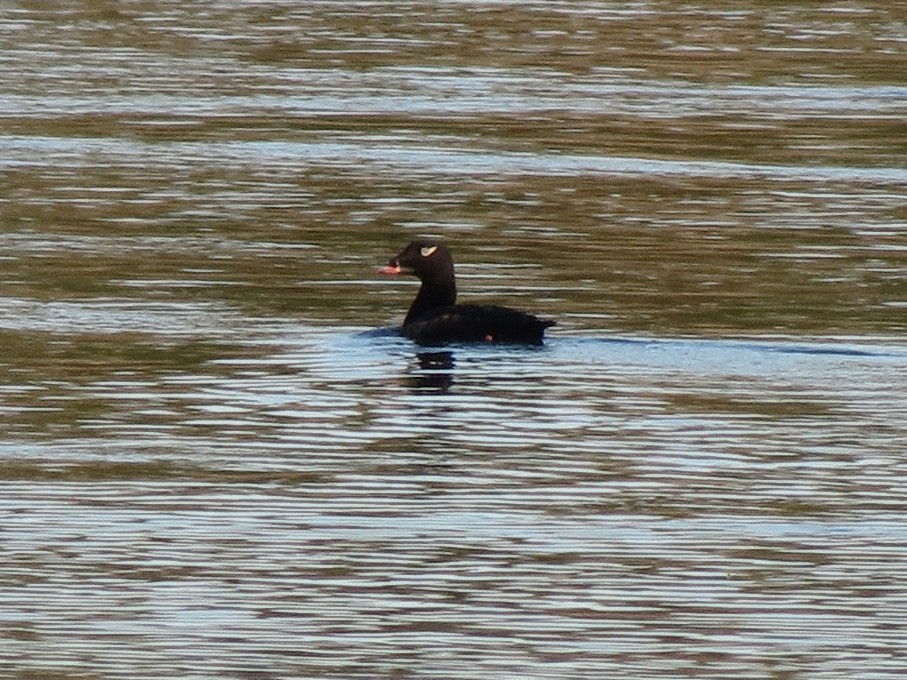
(433,374)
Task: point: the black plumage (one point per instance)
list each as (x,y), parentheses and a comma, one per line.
(435,318)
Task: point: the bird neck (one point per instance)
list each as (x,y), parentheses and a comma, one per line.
(432,295)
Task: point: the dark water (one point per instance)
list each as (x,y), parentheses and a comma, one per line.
(210,468)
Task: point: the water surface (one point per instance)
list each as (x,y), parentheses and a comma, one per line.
(211,468)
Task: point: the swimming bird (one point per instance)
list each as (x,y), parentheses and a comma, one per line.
(434,317)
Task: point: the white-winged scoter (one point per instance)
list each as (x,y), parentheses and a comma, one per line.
(434,318)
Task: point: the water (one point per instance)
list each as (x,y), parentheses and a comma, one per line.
(212,467)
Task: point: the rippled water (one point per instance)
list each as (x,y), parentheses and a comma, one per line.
(212,467)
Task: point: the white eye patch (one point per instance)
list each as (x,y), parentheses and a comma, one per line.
(428,250)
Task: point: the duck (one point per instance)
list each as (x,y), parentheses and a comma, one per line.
(434,317)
